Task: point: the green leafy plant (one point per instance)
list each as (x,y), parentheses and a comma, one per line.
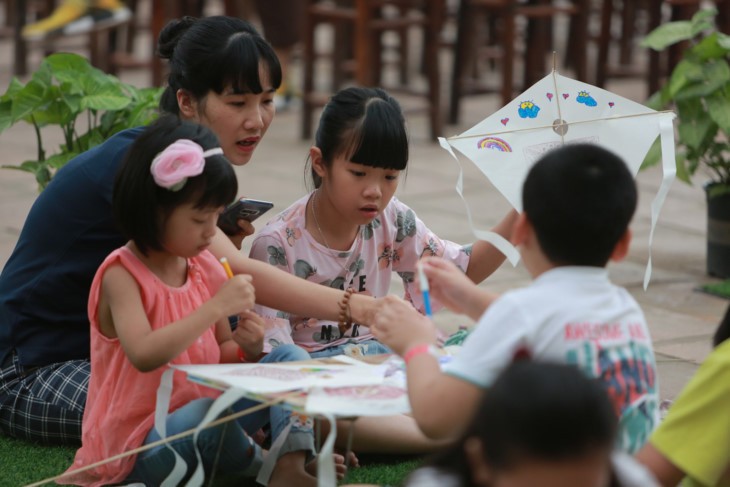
(698,89)
(87,105)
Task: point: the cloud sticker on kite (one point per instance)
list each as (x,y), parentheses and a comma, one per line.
(494,143)
(586,99)
(528,110)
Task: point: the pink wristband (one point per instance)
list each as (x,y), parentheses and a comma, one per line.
(417,350)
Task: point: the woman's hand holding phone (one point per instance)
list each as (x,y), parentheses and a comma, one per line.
(235,221)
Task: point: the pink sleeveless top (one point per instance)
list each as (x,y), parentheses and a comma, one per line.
(121,400)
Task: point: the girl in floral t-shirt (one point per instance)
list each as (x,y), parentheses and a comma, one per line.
(351,232)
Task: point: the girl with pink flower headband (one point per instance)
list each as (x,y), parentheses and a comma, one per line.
(163,299)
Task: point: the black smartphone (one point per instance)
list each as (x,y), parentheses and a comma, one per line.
(243,209)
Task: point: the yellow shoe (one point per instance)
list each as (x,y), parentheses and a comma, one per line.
(104,12)
(67,13)
(108,4)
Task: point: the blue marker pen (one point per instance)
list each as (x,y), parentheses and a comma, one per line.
(423,282)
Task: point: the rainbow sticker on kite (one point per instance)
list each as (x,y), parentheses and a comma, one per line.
(494,143)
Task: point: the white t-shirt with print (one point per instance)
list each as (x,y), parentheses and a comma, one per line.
(572,315)
(392,242)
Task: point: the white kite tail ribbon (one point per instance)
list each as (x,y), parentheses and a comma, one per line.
(223,402)
(326,474)
(501,243)
(164,391)
(669,172)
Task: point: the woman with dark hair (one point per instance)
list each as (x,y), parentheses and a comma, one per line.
(223,74)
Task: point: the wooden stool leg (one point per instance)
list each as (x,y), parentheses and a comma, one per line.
(628,18)
(433,13)
(20,49)
(508,56)
(307,74)
(580,52)
(463,42)
(604,42)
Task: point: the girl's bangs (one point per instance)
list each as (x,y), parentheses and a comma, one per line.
(382,140)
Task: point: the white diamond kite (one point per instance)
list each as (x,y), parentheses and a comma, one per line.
(556,111)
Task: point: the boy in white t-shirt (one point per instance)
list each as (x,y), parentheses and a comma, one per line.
(578,201)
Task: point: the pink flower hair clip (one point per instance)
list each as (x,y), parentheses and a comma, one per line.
(180,160)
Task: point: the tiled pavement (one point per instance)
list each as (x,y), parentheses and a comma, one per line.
(681,319)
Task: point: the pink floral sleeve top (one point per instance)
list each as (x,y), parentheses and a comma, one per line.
(392,242)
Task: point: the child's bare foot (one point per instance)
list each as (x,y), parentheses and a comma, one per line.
(340,467)
(290,470)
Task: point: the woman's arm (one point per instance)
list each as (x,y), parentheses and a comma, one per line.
(280,290)
(485,257)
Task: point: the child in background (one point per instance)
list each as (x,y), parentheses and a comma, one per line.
(351,232)
(540,424)
(691,445)
(164,299)
(578,201)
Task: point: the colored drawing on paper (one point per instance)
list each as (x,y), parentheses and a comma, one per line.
(382,392)
(286,375)
(528,109)
(494,143)
(585,98)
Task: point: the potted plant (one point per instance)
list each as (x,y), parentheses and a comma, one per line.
(67,92)
(698,89)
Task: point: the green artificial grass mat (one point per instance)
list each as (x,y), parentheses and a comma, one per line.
(23,463)
(721,289)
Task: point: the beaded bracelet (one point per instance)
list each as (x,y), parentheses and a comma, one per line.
(345,317)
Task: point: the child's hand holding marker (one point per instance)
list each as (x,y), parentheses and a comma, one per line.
(423,283)
(236,294)
(249,333)
(452,288)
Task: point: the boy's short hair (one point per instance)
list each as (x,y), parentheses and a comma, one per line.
(579,199)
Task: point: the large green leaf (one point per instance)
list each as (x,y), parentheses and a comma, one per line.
(105,97)
(683,174)
(718,107)
(710,48)
(27,100)
(655,101)
(68,66)
(27,166)
(723,40)
(653,156)
(694,125)
(686,72)
(6,119)
(14,87)
(716,74)
(668,34)
(57,161)
(703,15)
